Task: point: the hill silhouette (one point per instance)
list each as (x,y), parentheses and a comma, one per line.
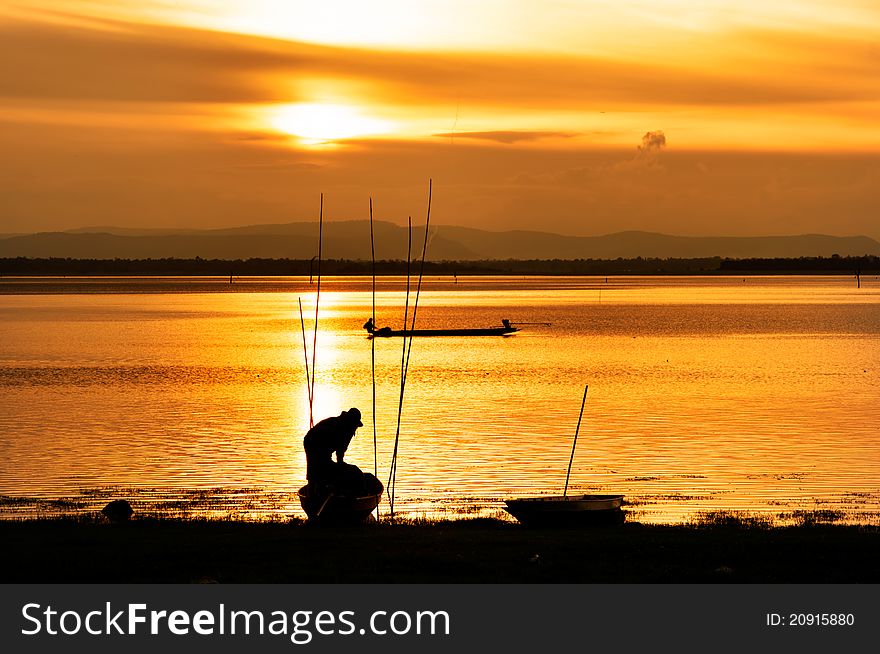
(351,240)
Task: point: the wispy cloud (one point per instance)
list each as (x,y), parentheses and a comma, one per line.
(114,61)
(509,136)
(111,60)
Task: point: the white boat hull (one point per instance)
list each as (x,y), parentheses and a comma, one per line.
(567,510)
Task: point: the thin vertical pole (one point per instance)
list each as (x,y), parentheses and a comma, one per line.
(392,477)
(574,444)
(406,304)
(408,346)
(317,303)
(302,323)
(373,346)
(421,273)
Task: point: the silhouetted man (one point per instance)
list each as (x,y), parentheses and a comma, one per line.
(329,436)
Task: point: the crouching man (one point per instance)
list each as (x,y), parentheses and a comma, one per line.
(333,435)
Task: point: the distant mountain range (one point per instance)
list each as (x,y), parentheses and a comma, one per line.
(351,240)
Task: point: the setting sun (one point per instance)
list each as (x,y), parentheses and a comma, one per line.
(320,123)
(529,113)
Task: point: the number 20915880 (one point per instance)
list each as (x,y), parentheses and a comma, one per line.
(810,620)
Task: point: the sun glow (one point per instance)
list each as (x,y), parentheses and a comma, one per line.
(316,123)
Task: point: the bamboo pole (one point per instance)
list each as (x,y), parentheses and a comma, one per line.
(406,304)
(317,303)
(302,323)
(408,346)
(373,346)
(392,477)
(574,444)
(421,274)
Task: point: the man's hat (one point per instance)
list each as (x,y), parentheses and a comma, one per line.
(355,416)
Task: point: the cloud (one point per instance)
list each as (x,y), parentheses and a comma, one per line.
(646,159)
(653,142)
(509,136)
(262,136)
(118,61)
(298,166)
(121,62)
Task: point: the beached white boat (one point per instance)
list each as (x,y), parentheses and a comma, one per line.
(567,510)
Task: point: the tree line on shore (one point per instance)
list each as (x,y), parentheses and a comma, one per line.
(25,266)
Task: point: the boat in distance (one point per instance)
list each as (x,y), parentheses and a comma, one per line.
(571,510)
(339,509)
(386,332)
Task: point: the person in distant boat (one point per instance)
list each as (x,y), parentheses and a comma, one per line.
(371,328)
(332,435)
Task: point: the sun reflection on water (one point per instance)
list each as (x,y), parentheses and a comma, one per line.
(765,404)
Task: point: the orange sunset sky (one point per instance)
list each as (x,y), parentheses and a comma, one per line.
(724,117)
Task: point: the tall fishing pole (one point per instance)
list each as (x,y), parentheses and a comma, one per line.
(419,285)
(408,347)
(574,444)
(373,346)
(392,477)
(302,323)
(317,302)
(406,304)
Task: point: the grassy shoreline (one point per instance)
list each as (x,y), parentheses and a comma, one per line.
(461,551)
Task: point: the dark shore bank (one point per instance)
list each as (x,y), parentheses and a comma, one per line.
(835,265)
(488,551)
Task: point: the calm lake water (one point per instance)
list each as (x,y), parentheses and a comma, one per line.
(189,397)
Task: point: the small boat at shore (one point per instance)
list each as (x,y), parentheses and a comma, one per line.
(567,510)
(386,332)
(337,509)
